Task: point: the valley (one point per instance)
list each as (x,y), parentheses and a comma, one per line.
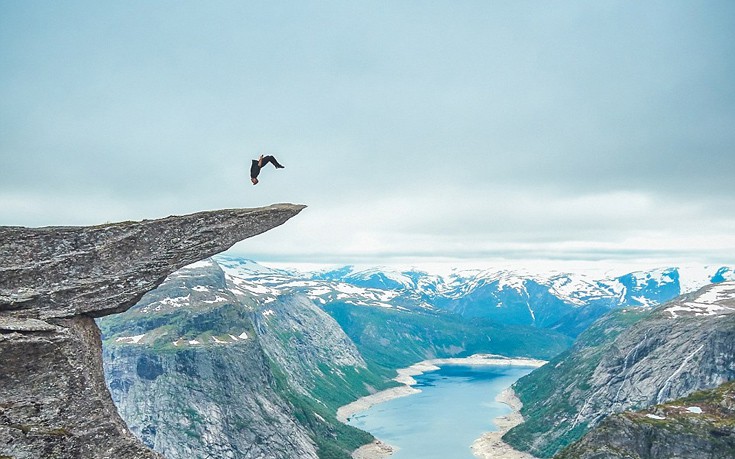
(233,359)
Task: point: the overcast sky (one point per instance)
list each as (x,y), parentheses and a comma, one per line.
(414,131)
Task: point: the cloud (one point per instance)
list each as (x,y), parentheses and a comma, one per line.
(457,129)
(441,225)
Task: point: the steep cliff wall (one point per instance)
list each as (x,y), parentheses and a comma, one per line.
(203,367)
(53,282)
(629,360)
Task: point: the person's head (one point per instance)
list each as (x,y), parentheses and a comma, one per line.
(254,180)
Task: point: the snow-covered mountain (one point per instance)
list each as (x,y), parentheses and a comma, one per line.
(565,301)
(267,284)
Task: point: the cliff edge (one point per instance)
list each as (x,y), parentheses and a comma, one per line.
(53,282)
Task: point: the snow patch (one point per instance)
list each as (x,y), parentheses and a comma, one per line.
(512,281)
(716,293)
(200,264)
(644,301)
(706,303)
(319,291)
(653,416)
(349,289)
(130,339)
(695,409)
(216,300)
(176,302)
(238,292)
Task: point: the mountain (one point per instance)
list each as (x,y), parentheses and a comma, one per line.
(700,426)
(323,288)
(393,338)
(232,359)
(565,302)
(389,315)
(632,358)
(245,361)
(202,367)
(53,282)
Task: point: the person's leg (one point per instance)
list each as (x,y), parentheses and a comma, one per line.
(271,159)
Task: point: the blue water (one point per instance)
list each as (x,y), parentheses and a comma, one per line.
(457,404)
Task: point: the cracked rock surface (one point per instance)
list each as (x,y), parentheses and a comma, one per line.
(53,282)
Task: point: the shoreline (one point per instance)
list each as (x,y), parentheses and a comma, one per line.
(484,448)
(491,445)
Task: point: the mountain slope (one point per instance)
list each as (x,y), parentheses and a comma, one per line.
(180,352)
(396,339)
(700,426)
(202,368)
(389,316)
(629,359)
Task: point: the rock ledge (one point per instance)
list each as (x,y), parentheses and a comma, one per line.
(53,282)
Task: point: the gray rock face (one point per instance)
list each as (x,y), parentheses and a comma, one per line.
(686,345)
(300,337)
(619,437)
(205,401)
(211,365)
(678,348)
(99,270)
(701,426)
(195,381)
(53,282)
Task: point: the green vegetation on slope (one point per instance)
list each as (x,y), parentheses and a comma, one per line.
(550,394)
(186,324)
(717,416)
(393,339)
(334,439)
(701,425)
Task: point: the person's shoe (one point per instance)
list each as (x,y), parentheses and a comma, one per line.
(280,167)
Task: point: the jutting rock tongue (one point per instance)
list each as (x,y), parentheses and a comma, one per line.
(100,270)
(53,282)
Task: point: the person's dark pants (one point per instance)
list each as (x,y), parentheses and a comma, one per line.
(271,159)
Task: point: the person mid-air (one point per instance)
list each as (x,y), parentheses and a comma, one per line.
(260,163)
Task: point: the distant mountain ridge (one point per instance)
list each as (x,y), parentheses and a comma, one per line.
(567,302)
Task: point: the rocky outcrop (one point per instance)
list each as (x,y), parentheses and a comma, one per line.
(701,426)
(53,282)
(631,359)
